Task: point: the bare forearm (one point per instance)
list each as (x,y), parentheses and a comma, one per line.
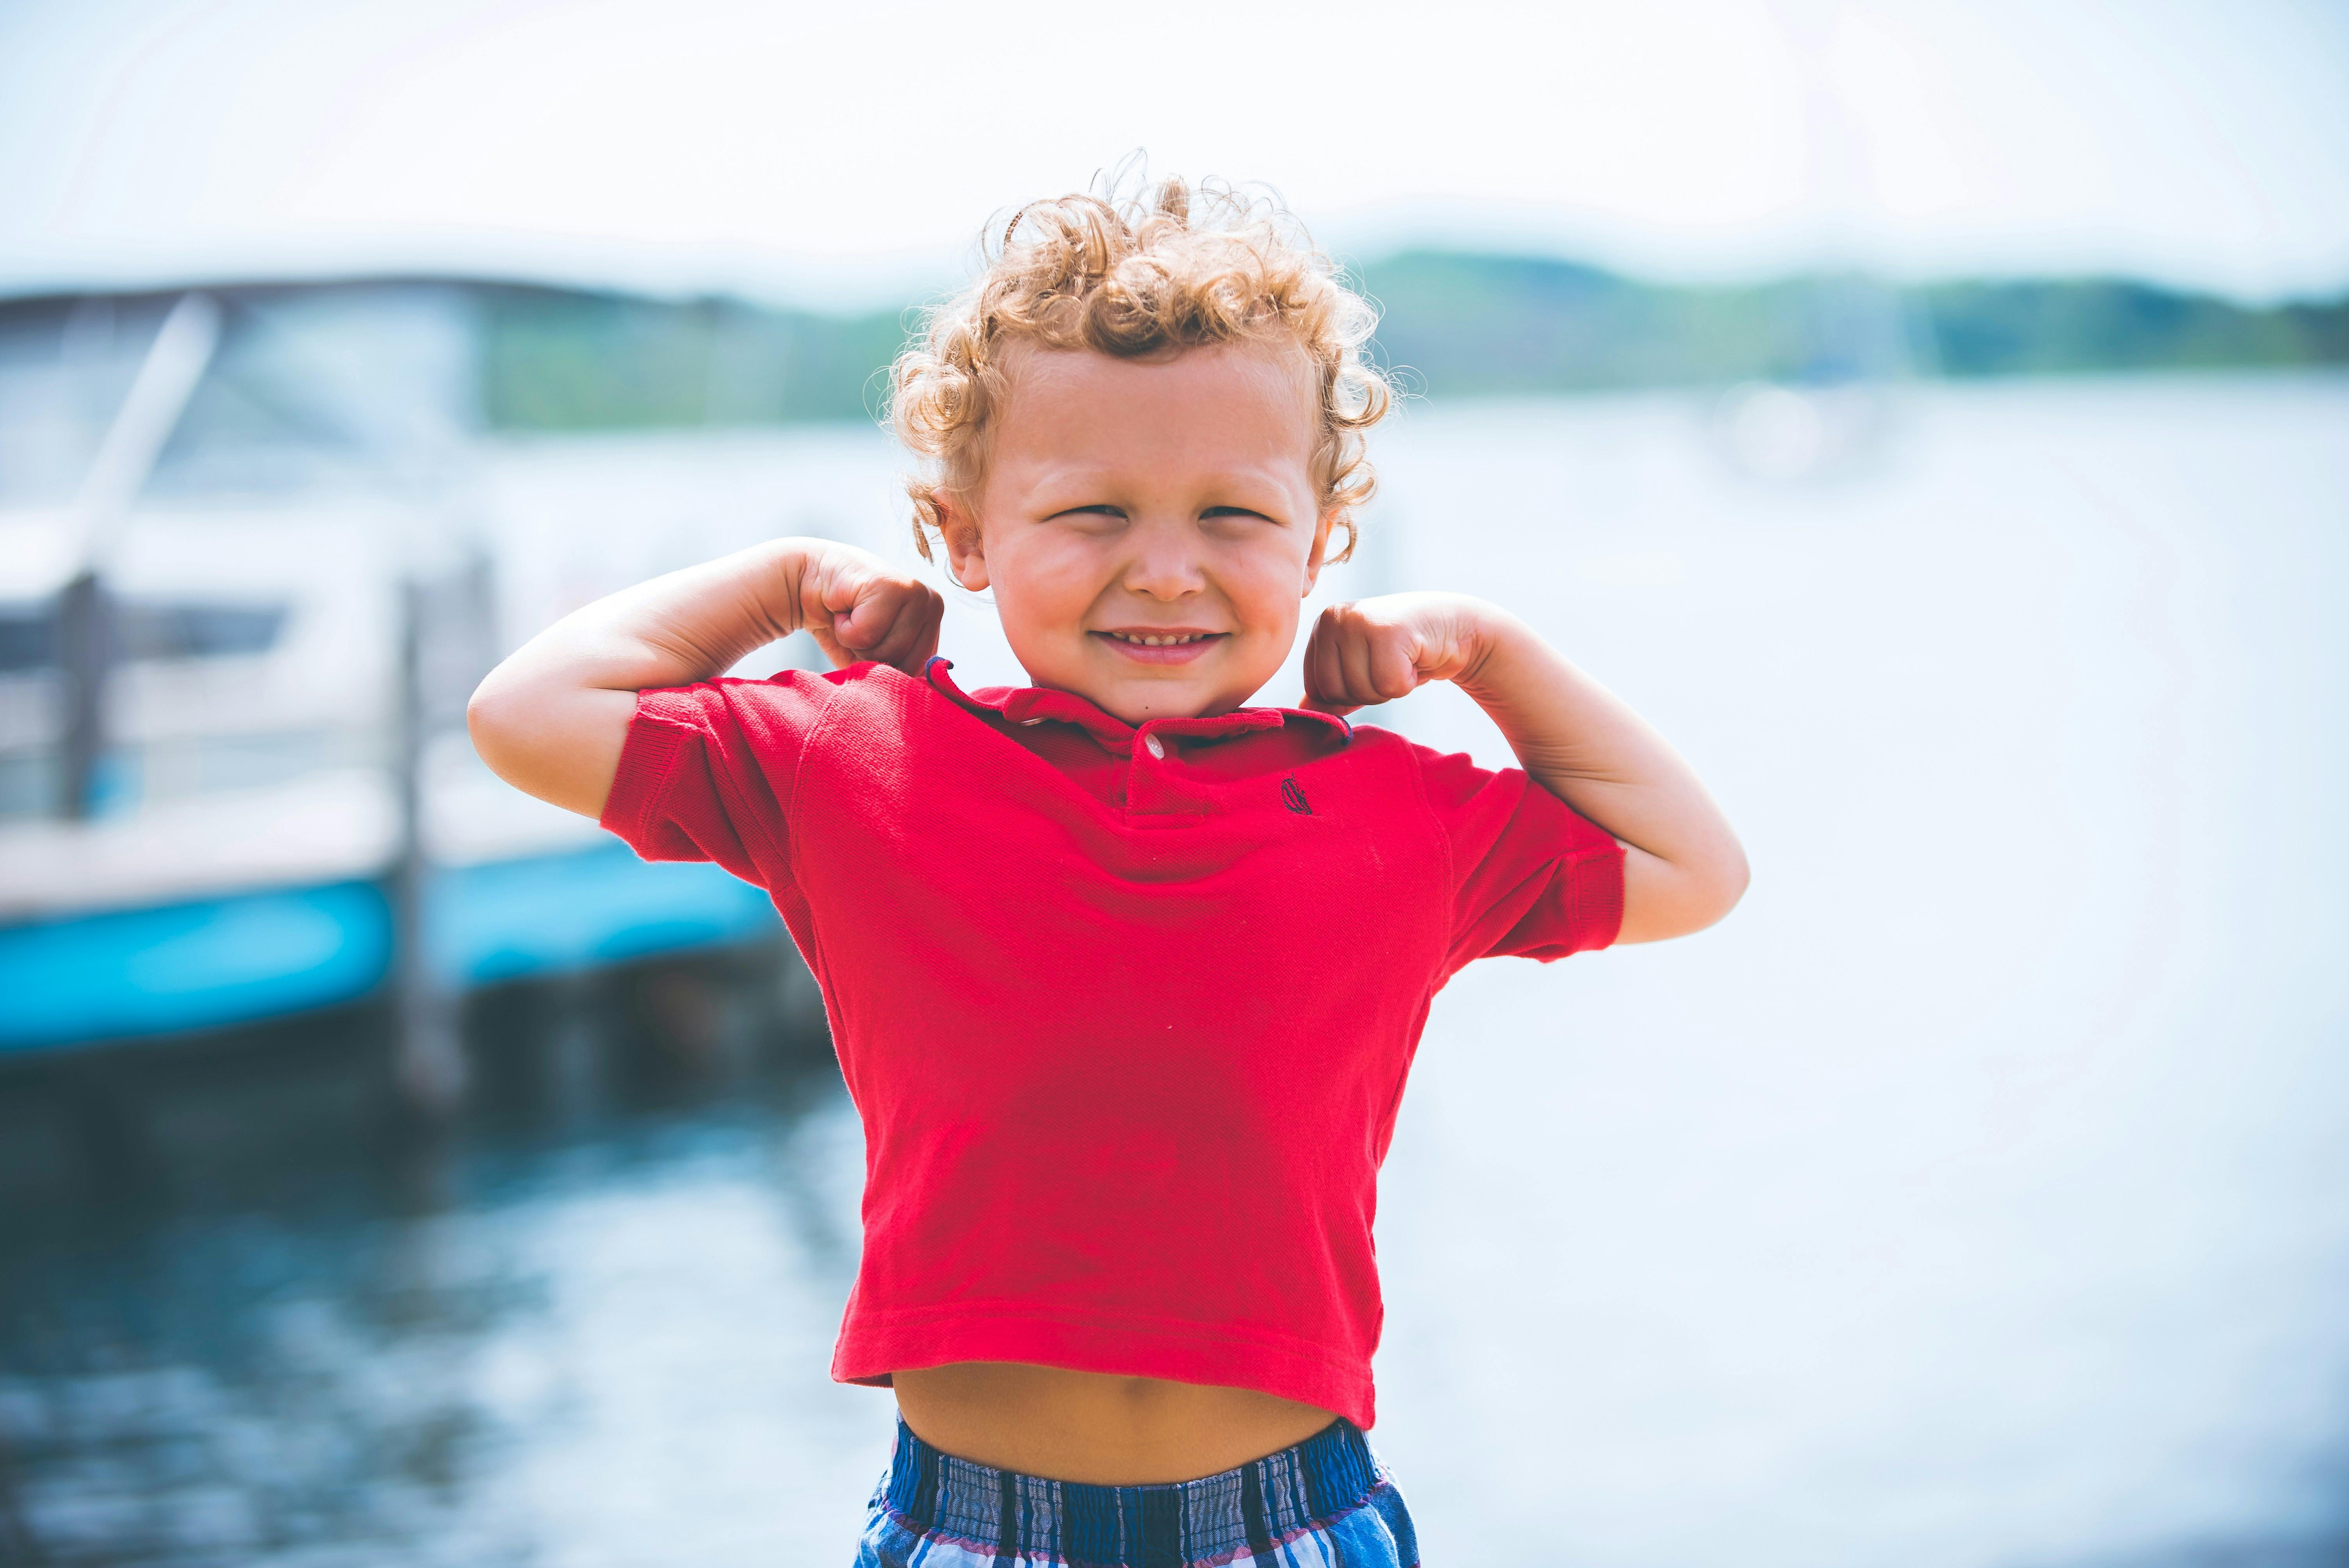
(552,718)
(671,630)
(1684,867)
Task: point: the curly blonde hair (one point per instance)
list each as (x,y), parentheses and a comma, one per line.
(1175,267)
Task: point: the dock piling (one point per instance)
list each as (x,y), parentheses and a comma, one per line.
(85,654)
(428,1068)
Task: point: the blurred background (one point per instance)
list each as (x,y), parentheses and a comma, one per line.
(1933,415)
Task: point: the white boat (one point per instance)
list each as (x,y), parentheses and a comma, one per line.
(255,495)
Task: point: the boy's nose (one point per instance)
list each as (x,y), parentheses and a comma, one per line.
(1165,560)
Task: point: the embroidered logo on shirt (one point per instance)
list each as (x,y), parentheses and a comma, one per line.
(1294,798)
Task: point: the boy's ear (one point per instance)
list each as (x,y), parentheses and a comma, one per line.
(966,553)
(1321,548)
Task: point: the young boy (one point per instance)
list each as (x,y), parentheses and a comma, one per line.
(1124,975)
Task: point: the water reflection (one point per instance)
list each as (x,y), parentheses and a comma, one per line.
(564,1328)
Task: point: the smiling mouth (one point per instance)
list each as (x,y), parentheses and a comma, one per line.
(1162,647)
(1174,639)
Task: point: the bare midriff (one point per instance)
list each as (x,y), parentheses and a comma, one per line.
(1094,1427)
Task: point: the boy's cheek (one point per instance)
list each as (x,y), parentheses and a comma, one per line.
(1052,646)
(1046,590)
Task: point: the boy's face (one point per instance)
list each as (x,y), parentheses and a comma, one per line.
(1149,528)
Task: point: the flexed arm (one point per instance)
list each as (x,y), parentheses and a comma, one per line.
(1683,868)
(551,720)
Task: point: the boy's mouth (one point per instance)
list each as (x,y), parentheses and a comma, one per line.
(1171,645)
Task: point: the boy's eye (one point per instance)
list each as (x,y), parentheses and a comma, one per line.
(1103,508)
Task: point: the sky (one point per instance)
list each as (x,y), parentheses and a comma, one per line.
(845,155)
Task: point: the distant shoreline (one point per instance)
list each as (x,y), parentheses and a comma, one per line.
(1454,325)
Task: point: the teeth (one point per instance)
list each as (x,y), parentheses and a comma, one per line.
(1148,642)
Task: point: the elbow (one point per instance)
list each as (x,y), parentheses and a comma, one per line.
(1664,899)
(490,721)
(1726,886)
(482,714)
(547,738)
(1703,899)
(1716,883)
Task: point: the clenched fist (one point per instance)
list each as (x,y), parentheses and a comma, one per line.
(1375,650)
(858,606)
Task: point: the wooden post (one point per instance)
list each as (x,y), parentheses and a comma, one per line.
(85,654)
(175,362)
(429,1063)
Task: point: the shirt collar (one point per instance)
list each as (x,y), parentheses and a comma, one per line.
(1034,705)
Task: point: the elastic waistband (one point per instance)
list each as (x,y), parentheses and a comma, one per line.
(1258,1507)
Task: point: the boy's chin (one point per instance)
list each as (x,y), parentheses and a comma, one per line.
(1138,700)
(1137,694)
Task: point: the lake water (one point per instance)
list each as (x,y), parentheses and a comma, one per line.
(1978,1195)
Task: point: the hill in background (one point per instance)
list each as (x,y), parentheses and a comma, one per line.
(1457,324)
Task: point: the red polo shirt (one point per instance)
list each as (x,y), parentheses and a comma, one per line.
(1126,1012)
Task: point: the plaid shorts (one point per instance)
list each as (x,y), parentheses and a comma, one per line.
(1325,1503)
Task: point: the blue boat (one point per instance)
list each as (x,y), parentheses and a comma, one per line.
(217,963)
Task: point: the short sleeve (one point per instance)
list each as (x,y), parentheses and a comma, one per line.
(706,771)
(1531,879)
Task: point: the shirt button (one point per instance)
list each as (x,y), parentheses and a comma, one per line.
(1157,747)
